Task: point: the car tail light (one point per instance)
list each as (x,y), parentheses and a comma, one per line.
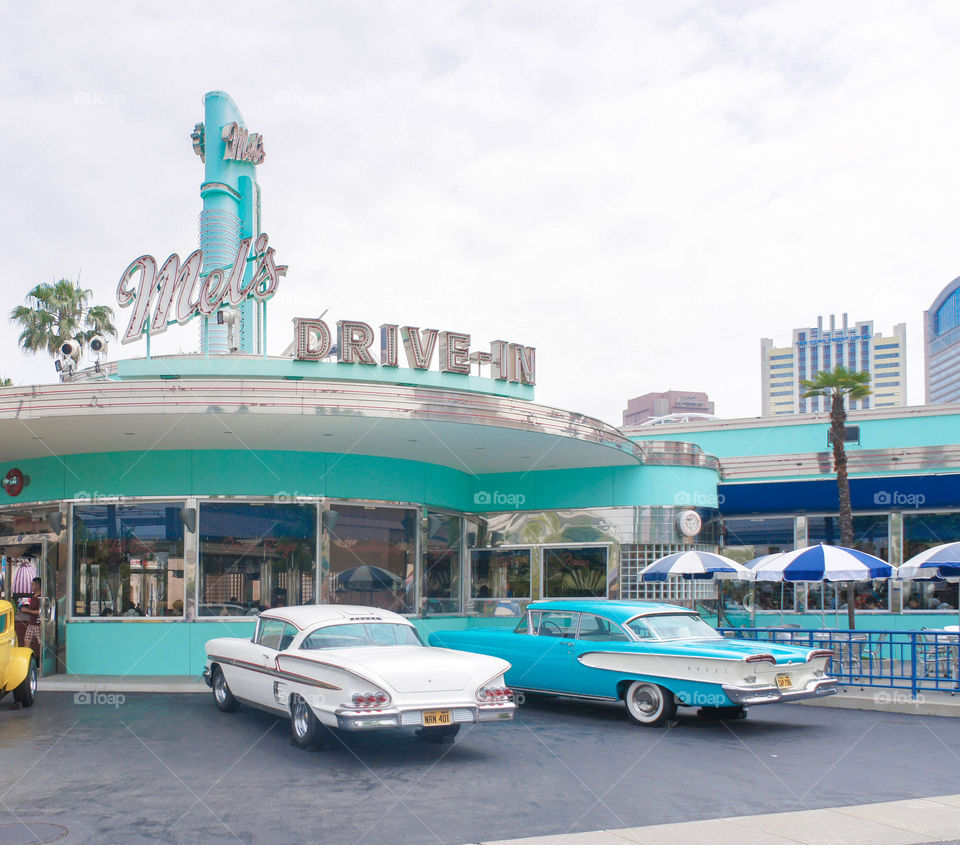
(367,700)
(820,652)
(761,658)
(494,694)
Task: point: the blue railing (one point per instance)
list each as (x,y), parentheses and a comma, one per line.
(927,660)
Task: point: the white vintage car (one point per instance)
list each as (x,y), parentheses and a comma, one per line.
(354,668)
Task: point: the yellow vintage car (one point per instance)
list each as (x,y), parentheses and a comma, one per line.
(18,669)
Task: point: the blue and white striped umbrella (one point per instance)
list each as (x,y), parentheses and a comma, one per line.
(822,563)
(699,565)
(936,563)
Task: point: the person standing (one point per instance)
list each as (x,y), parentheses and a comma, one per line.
(31,637)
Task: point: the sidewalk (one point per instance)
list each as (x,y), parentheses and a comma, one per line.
(890,823)
(119,683)
(890,701)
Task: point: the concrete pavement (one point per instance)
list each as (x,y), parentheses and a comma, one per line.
(910,822)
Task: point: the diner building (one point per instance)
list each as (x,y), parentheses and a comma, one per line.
(779,493)
(165,501)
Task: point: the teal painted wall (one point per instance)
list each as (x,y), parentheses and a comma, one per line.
(787,439)
(144,648)
(269,473)
(178,648)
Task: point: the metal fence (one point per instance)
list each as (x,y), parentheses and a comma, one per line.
(925,660)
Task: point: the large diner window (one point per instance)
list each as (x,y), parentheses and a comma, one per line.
(128,560)
(575,571)
(920,532)
(254,556)
(441,564)
(871,535)
(499,581)
(744,540)
(372,553)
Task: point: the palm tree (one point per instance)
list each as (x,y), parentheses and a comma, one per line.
(58,312)
(840,385)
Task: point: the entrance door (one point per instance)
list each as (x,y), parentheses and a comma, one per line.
(49,621)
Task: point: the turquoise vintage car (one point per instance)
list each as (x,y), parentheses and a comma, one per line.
(653,657)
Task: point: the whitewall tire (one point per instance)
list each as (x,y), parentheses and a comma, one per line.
(649,704)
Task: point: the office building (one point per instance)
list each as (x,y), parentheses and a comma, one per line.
(817,349)
(650,406)
(941,346)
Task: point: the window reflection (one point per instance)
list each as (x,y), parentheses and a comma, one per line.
(441,564)
(254,556)
(920,532)
(128,560)
(870,535)
(499,581)
(372,551)
(746,539)
(575,572)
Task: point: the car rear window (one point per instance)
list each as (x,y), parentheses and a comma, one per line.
(361,634)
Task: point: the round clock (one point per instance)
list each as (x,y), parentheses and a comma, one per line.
(689,523)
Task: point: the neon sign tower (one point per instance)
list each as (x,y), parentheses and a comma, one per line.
(231,212)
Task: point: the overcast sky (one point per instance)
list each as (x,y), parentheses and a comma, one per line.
(640,190)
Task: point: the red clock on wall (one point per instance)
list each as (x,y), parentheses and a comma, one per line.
(13,482)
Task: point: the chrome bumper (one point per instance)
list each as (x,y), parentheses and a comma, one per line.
(206,676)
(410,717)
(773,694)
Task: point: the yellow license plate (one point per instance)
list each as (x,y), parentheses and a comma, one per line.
(784,682)
(436,717)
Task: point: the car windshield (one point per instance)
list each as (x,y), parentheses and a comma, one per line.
(671,626)
(359,634)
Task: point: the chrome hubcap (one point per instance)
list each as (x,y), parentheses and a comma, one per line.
(646,702)
(33,682)
(219,687)
(300,718)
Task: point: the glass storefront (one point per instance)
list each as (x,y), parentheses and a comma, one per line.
(255,555)
(128,560)
(372,554)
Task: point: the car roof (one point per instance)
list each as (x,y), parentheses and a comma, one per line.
(307,615)
(617,610)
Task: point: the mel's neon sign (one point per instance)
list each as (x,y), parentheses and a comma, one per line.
(178,293)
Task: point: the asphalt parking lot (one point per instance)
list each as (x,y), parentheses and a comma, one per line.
(171,768)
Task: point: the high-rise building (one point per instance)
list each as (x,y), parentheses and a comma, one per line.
(941,346)
(817,349)
(652,405)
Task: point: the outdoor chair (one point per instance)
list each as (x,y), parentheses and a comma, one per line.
(871,652)
(933,653)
